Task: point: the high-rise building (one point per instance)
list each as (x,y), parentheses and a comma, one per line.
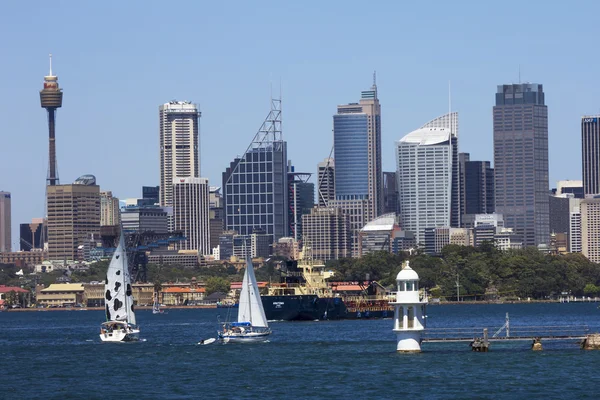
(357,149)
(191,207)
(590,153)
(73,215)
(450,122)
(301,199)
(574,187)
(327,233)
(326,182)
(51,99)
(590,228)
(179,146)
(109,209)
(5,221)
(521,161)
(477,186)
(575,230)
(215,215)
(150,196)
(425,174)
(255,185)
(144,219)
(390,193)
(32,235)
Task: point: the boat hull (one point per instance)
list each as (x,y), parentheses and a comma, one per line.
(313,307)
(119,336)
(249,337)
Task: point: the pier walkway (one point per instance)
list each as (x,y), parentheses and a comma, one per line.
(506,333)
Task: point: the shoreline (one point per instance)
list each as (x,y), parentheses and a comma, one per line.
(213,306)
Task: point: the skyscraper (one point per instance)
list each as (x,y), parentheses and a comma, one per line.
(191,213)
(425,174)
(109,209)
(326,181)
(5,221)
(51,99)
(450,122)
(73,215)
(477,185)
(521,161)
(590,153)
(32,234)
(255,185)
(590,228)
(327,233)
(179,147)
(390,193)
(357,149)
(301,199)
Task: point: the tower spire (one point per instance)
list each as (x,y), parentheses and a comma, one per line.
(50,56)
(374,78)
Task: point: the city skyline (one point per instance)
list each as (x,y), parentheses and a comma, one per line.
(88,65)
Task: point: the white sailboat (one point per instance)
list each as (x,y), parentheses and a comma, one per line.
(120,325)
(156,305)
(251,325)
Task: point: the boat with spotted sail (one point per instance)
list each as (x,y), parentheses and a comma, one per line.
(251,325)
(120,325)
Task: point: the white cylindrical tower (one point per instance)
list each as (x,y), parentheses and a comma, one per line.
(408,311)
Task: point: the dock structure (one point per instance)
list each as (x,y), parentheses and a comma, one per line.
(479,339)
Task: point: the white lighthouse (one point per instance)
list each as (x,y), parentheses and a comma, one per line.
(408,311)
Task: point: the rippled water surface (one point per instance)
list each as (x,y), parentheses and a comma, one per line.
(58,355)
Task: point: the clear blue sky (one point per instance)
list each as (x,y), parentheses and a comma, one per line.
(117,61)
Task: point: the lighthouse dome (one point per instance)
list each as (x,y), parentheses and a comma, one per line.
(407,274)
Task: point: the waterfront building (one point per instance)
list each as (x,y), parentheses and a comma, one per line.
(301,199)
(327,233)
(32,234)
(325,182)
(191,206)
(357,148)
(23,258)
(590,154)
(73,214)
(590,228)
(477,187)
(179,146)
(144,219)
(390,193)
(109,209)
(5,222)
(521,160)
(425,174)
(181,258)
(255,185)
(61,295)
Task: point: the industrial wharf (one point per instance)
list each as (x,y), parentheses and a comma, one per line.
(479,338)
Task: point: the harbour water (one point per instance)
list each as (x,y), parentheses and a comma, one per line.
(58,355)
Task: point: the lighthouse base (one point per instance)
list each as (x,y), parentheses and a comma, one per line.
(408,342)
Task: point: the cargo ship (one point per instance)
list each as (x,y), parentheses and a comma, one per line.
(304,295)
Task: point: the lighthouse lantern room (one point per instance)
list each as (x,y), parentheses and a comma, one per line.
(408,311)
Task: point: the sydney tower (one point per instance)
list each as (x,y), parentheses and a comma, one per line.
(51,99)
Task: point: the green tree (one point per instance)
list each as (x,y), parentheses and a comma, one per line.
(216,284)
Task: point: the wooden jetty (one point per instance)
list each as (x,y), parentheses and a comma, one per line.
(480,340)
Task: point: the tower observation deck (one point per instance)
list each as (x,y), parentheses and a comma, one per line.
(51,99)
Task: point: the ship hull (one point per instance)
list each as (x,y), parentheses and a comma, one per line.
(313,307)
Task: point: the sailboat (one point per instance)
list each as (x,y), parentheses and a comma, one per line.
(251,325)
(120,325)
(156,305)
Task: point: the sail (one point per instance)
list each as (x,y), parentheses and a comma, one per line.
(250,307)
(118,295)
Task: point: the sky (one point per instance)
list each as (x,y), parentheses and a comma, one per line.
(117,61)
